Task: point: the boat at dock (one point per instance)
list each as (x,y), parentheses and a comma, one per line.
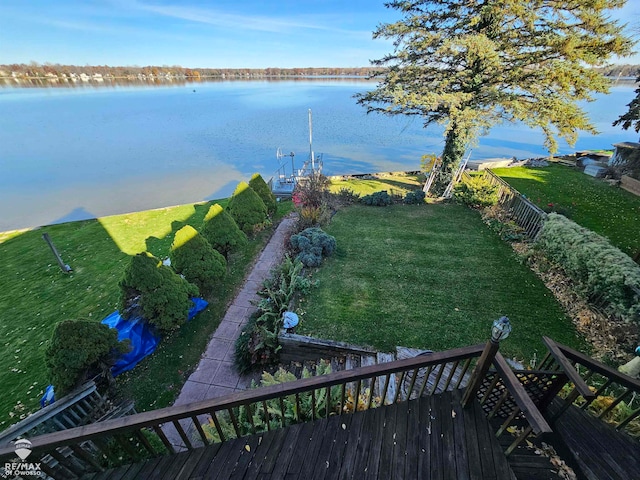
(285,179)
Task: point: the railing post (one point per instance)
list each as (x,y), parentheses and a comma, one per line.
(485,361)
(499,331)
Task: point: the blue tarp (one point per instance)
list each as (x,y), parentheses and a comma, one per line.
(141,335)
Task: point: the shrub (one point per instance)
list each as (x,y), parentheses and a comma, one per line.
(222,231)
(310,216)
(79,350)
(196,259)
(312,245)
(285,281)
(247,208)
(312,190)
(264,192)
(295,410)
(476,192)
(605,275)
(377,199)
(258,343)
(346,196)
(414,198)
(157,291)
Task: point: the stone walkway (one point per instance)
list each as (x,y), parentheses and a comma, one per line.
(215,375)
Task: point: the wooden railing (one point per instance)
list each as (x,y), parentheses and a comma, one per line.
(590,380)
(82,406)
(71,453)
(524,213)
(503,396)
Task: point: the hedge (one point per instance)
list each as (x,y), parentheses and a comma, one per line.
(604,274)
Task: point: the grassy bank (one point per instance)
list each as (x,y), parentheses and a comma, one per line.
(609,211)
(430,276)
(392,183)
(35,295)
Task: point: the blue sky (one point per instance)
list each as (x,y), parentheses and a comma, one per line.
(199,33)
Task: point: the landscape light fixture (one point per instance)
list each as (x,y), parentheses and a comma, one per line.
(500,330)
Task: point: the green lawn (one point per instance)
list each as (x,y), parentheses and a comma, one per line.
(431,276)
(611,212)
(392,183)
(35,295)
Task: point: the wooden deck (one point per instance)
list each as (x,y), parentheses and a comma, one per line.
(428,438)
(601,452)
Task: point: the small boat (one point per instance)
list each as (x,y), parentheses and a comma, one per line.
(283,183)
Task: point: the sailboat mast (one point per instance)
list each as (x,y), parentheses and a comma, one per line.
(313,164)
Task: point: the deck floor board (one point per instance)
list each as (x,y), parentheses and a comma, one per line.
(427,438)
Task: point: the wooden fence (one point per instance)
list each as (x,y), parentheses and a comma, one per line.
(71,453)
(524,213)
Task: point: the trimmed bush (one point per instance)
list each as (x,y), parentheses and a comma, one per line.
(312,245)
(264,192)
(476,192)
(247,208)
(346,196)
(197,260)
(155,291)
(377,199)
(414,198)
(605,275)
(79,350)
(222,231)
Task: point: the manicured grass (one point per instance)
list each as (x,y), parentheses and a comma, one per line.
(432,277)
(392,183)
(35,295)
(611,212)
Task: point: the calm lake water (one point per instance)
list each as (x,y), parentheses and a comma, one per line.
(70,154)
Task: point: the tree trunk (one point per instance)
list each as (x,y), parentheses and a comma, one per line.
(454,147)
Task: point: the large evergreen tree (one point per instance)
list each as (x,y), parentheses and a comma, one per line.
(632,117)
(472,64)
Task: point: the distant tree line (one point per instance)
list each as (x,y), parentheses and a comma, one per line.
(73,73)
(620,71)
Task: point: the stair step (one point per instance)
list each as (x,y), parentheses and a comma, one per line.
(434,375)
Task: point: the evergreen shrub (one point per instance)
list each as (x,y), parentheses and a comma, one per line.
(311,245)
(264,192)
(79,350)
(377,199)
(247,208)
(414,198)
(155,291)
(222,231)
(604,274)
(476,192)
(195,258)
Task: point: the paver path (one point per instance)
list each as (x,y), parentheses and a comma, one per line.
(215,375)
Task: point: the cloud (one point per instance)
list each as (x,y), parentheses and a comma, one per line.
(260,23)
